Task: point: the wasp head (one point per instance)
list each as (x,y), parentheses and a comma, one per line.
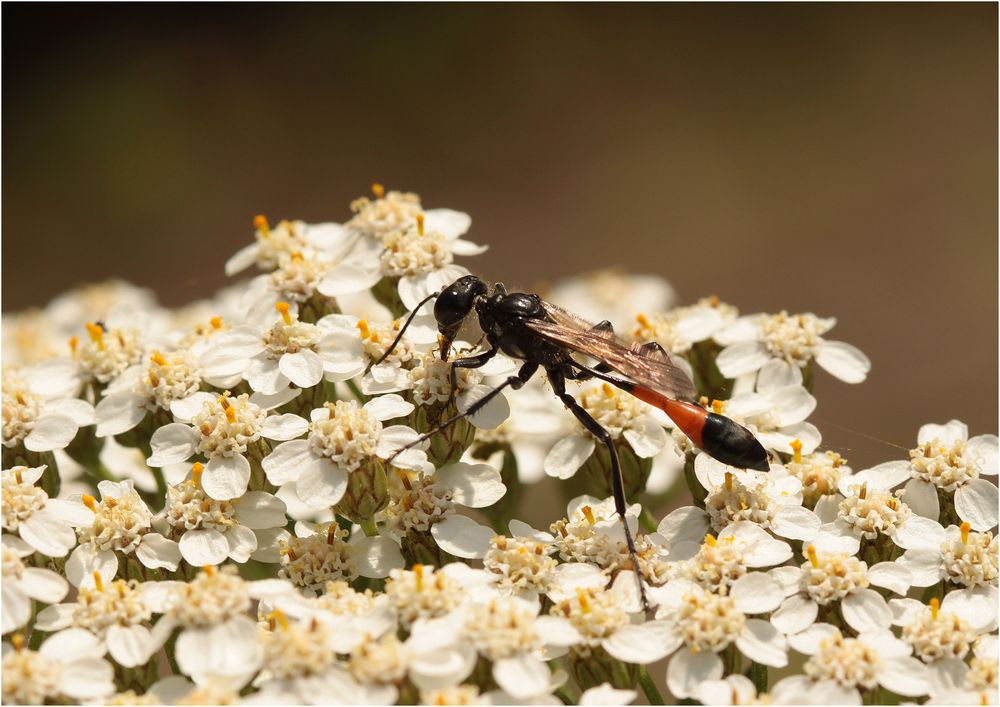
(453,306)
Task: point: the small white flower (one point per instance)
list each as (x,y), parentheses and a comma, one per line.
(701,624)
(621,414)
(108,351)
(68,665)
(222,428)
(119,523)
(752,340)
(40,424)
(678,329)
(288,237)
(22,584)
(210,531)
(343,436)
(319,554)
(45,524)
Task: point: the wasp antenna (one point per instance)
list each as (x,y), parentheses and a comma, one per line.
(403,329)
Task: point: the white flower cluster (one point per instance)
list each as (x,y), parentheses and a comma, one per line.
(231,503)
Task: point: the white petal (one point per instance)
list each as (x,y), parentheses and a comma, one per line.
(796,614)
(883,477)
(264,376)
(977,606)
(983,450)
(756,593)
(347,279)
(51,618)
(129,645)
(172,444)
(917,531)
(777,374)
(258,510)
(286,461)
(796,523)
(891,575)
(87,678)
(865,609)
(388,407)
(184,409)
(242,259)
(557,631)
(85,560)
(322,483)
(241,543)
(976,504)
(17,609)
(948,433)
(522,676)
(449,223)
(923,564)
(119,412)
(48,534)
(284,427)
(270,401)
(605,694)
(226,478)
(643,643)
(687,670)
(793,403)
(905,676)
(156,552)
(462,537)
(743,357)
(684,524)
(303,368)
(70,645)
(376,557)
(836,537)
(568,455)
(843,361)
(396,437)
(44,585)
(763,643)
(489,417)
(807,641)
(922,498)
(466,248)
(205,546)
(571,576)
(51,431)
(646,437)
(474,485)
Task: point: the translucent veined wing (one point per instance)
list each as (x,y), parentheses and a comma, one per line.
(649,368)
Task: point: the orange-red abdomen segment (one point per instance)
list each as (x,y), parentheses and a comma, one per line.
(688,417)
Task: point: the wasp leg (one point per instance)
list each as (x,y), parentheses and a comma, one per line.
(476,361)
(514,382)
(556,378)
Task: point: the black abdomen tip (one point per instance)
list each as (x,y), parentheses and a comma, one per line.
(733,444)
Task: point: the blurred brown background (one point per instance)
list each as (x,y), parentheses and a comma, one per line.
(840,159)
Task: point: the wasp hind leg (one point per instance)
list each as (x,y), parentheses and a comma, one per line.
(557,379)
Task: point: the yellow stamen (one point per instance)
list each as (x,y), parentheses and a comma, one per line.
(363,327)
(581,595)
(154,380)
(260,223)
(710,540)
(378,190)
(522,550)
(279,616)
(713,300)
(331,533)
(96,334)
(158,359)
(90,502)
(230,411)
(98,582)
(984,699)
(935,607)
(965,528)
(608,390)
(796,445)
(196,473)
(863,494)
(209,570)
(110,502)
(17,640)
(811,552)
(297,256)
(73,343)
(17,476)
(216,322)
(718,407)
(283,308)
(588,513)
(729,481)
(642,319)
(420,224)
(418,575)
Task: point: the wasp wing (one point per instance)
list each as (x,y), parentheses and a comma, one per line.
(649,368)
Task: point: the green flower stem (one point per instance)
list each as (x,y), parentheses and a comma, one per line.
(649,687)
(758,675)
(369,526)
(563,694)
(356,391)
(647,520)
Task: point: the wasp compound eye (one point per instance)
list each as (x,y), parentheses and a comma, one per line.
(455,303)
